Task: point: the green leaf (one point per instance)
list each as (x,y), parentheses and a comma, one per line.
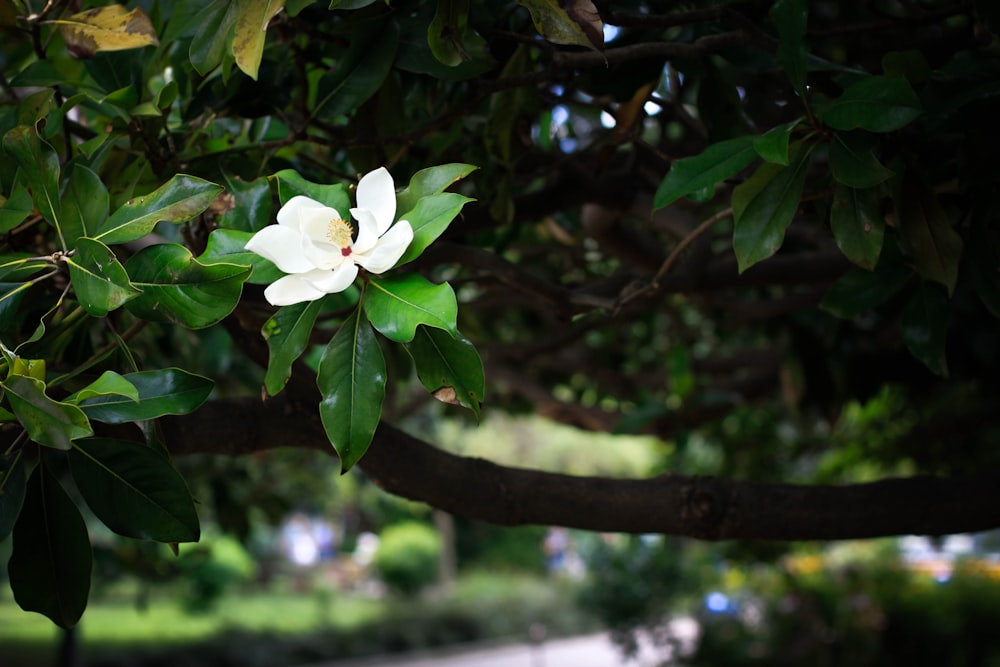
(50,566)
(178,288)
(84,204)
(853,162)
(449,367)
(351,379)
(571,22)
(99,280)
(134,490)
(15,208)
(398,304)
(790,18)
(251,31)
(360,71)
(716,163)
(928,234)
(178,200)
(287,335)
(228,246)
(109,383)
(40,168)
(251,208)
(446,32)
(290,184)
(429,219)
(48,422)
(764,206)
(857,224)
(773,144)
(925,325)
(12,489)
(876,104)
(431,181)
(858,290)
(168,391)
(215,30)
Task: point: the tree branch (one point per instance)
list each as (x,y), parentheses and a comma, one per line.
(701,507)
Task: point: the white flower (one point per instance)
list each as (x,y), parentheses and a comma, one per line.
(317,248)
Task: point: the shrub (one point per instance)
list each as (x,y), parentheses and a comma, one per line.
(408,556)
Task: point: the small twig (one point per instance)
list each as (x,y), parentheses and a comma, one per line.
(633,292)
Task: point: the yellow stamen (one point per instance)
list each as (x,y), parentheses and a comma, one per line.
(339,233)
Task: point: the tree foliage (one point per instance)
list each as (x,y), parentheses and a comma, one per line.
(726,222)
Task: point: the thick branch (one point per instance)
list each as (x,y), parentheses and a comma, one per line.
(702,507)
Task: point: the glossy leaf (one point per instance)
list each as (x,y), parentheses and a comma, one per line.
(716,163)
(50,565)
(134,490)
(928,234)
(449,367)
(228,246)
(287,335)
(84,204)
(252,18)
(397,305)
(107,28)
(39,167)
(925,326)
(290,184)
(48,422)
(351,379)
(178,200)
(431,181)
(215,28)
(857,224)
(790,18)
(876,104)
(853,161)
(13,485)
(764,206)
(361,70)
(168,391)
(429,219)
(251,207)
(109,383)
(99,280)
(178,288)
(772,146)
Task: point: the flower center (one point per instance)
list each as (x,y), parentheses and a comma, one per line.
(338,231)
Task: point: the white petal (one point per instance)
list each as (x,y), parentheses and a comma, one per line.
(291,289)
(388,250)
(283,246)
(335,281)
(298,210)
(321,255)
(368,232)
(377,193)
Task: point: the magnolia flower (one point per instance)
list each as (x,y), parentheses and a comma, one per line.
(318,248)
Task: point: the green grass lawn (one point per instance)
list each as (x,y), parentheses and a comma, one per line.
(113,626)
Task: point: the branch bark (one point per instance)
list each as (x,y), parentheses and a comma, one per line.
(702,507)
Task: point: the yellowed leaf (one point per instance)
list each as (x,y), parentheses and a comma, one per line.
(251,29)
(446,395)
(109,28)
(575,22)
